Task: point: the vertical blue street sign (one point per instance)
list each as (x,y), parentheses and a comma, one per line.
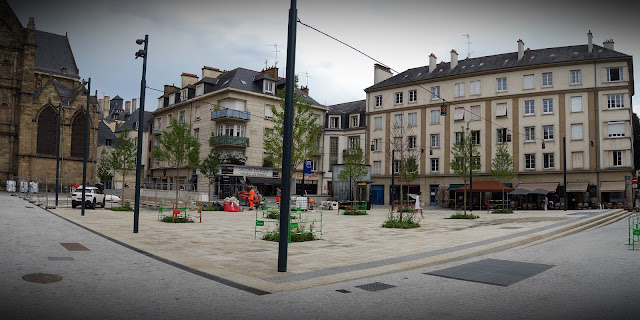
(307,167)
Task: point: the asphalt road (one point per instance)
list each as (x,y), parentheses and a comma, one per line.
(593,276)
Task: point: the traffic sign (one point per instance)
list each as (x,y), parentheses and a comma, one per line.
(634,180)
(307,166)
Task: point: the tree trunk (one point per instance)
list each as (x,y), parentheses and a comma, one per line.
(175,184)
(122,200)
(503,204)
(209,194)
(464,204)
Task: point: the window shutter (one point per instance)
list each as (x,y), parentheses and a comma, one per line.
(616,129)
(501,110)
(528,82)
(459,114)
(576,104)
(475,113)
(576,131)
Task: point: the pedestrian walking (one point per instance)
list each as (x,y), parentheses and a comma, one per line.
(278,194)
(418,205)
(252,196)
(546,202)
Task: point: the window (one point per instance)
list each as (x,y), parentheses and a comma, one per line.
(77,135)
(354,142)
(397,120)
(412,119)
(378,101)
(475,136)
(458,89)
(435,164)
(198,113)
(575,76)
(412,140)
(181,117)
(501,135)
(501,110)
(547,132)
(547,106)
(617,158)
(377,123)
(528,81)
(268,111)
(577,159)
(354,120)
(459,114)
(196,133)
(435,93)
(530,161)
(184,94)
(157,164)
(529,134)
(615,101)
(614,74)
(333,146)
(413,96)
(376,144)
(314,164)
(108,142)
(475,160)
(576,131)
(160,103)
(172,99)
(396,166)
(435,141)
(435,116)
(548,161)
(576,104)
(475,113)
(398,97)
(169,119)
(529,108)
(47,132)
(334,122)
(397,143)
(458,137)
(501,84)
(200,89)
(475,87)
(377,167)
(232,130)
(268,86)
(616,129)
(547,79)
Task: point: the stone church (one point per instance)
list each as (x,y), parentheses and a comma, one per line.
(39,85)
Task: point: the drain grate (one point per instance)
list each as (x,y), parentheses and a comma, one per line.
(375,286)
(60,258)
(28,207)
(43,278)
(343,291)
(73,246)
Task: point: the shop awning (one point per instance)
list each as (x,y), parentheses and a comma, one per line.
(486,186)
(455,186)
(262,180)
(577,186)
(612,186)
(549,186)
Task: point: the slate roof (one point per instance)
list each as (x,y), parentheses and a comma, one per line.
(348,107)
(148,116)
(53,53)
(500,62)
(104,133)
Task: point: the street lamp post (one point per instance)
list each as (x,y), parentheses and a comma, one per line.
(143,85)
(58,153)
(86,150)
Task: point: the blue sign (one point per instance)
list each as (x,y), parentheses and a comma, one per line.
(307,167)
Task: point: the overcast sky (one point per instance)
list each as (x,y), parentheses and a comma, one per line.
(186,35)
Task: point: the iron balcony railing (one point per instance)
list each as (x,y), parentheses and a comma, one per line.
(232,114)
(230,141)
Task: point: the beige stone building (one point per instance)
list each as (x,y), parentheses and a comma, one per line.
(528,100)
(231,109)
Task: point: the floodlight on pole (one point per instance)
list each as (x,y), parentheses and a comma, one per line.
(141,122)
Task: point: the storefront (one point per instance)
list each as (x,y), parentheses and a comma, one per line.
(613,191)
(234,178)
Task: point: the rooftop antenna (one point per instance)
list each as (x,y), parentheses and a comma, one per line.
(308,76)
(275,50)
(266,64)
(469,52)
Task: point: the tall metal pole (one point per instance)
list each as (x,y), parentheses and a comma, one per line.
(471,179)
(393,177)
(141,123)
(58,153)
(564,165)
(86,149)
(287,142)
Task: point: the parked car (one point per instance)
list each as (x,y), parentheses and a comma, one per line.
(93,197)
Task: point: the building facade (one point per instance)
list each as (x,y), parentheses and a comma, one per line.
(529,101)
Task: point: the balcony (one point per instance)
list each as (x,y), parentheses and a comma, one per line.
(157,131)
(229,141)
(230,114)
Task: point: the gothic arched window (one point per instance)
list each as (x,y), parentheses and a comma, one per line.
(47,132)
(77,135)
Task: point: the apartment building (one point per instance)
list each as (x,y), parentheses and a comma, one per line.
(230,109)
(528,100)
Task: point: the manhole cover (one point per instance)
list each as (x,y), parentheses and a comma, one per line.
(375,286)
(42,278)
(73,246)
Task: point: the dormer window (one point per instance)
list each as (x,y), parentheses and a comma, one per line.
(334,122)
(160,103)
(268,86)
(172,99)
(354,121)
(184,94)
(64,70)
(200,89)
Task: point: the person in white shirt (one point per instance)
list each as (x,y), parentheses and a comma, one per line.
(418,205)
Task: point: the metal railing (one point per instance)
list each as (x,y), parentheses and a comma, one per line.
(229,113)
(230,141)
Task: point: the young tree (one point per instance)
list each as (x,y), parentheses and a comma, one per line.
(179,147)
(306,130)
(209,167)
(354,167)
(407,152)
(123,158)
(502,168)
(464,158)
(104,168)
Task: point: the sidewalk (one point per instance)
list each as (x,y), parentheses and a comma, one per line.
(223,246)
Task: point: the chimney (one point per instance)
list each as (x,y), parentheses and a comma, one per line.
(107,104)
(590,41)
(608,44)
(381,73)
(454,58)
(305,90)
(134,104)
(520,49)
(187,79)
(432,62)
(209,72)
(127,107)
(272,72)
(169,88)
